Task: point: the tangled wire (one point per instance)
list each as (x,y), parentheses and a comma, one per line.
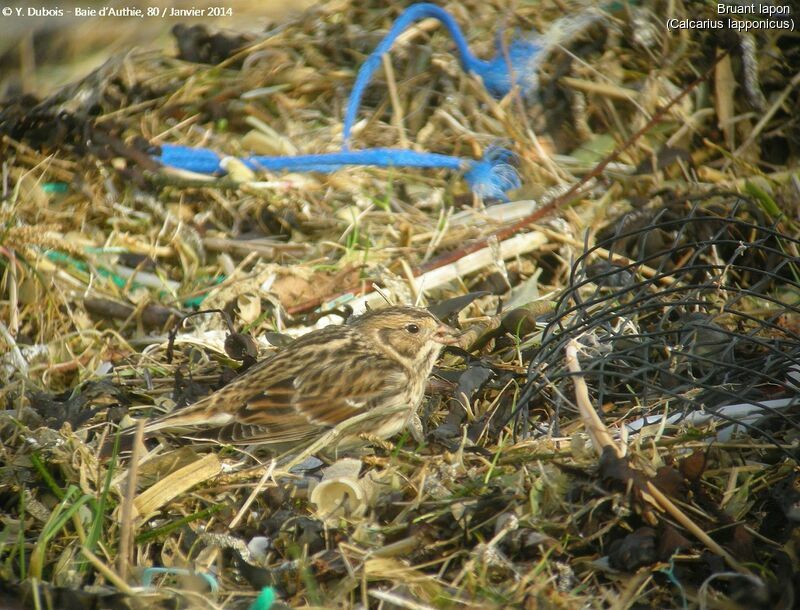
(688,310)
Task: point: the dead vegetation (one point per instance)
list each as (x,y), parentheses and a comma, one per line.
(579,453)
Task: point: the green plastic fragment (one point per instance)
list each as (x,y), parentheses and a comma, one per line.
(264,600)
(55,187)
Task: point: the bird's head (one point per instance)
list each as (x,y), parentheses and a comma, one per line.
(413,334)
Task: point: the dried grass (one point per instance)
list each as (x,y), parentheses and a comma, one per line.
(99,252)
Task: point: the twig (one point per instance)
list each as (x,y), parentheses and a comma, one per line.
(127,526)
(256,490)
(397,108)
(402,602)
(768,115)
(151,316)
(665,503)
(107,572)
(605,89)
(13,294)
(591,421)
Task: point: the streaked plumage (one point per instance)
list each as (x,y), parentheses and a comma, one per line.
(379,362)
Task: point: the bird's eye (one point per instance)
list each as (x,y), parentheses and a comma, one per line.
(412,328)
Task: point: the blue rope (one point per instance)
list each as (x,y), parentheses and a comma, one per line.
(490,177)
(206,161)
(522,55)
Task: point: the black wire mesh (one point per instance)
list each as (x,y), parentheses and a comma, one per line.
(693,307)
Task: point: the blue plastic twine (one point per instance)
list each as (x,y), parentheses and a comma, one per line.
(489,178)
(515,65)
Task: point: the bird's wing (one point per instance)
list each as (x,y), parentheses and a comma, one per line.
(288,404)
(282,414)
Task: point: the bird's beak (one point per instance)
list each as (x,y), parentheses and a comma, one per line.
(446,335)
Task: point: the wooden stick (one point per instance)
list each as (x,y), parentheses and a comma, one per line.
(664,502)
(256,490)
(127,525)
(397,108)
(591,420)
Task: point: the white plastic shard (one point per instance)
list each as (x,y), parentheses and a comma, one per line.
(339,493)
(743,413)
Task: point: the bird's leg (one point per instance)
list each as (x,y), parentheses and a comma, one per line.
(331,436)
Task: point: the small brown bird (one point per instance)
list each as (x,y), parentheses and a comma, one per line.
(378,363)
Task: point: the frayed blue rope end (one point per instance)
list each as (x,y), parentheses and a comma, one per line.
(493,176)
(519,63)
(516,65)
